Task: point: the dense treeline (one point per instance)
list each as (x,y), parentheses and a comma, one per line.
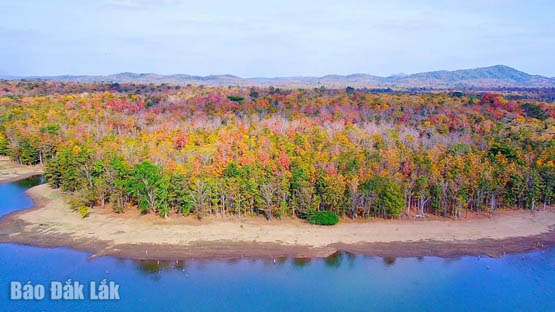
(244,151)
(19,88)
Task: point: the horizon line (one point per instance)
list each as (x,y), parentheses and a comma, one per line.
(268,77)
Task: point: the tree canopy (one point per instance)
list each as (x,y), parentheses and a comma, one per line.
(283,152)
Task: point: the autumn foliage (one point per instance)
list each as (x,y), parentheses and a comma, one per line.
(245,151)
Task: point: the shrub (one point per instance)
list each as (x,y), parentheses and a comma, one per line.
(324,218)
(76,204)
(83,211)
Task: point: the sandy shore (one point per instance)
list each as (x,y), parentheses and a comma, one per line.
(52,224)
(10,171)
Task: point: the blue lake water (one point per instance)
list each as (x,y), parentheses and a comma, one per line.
(344,282)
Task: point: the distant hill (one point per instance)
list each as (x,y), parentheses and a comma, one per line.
(483,77)
(498,75)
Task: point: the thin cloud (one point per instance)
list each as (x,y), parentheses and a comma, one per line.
(141,3)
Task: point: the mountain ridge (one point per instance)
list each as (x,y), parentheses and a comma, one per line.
(492,76)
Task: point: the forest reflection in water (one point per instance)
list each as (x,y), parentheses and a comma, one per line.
(334,261)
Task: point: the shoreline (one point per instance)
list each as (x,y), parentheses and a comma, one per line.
(13,172)
(50,223)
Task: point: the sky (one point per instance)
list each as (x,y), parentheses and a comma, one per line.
(268,38)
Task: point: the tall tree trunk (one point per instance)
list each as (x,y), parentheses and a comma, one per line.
(409,198)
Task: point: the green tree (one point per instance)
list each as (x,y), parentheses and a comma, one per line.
(387,197)
(118,179)
(145,177)
(162,196)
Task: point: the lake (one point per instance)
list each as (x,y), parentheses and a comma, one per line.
(343,282)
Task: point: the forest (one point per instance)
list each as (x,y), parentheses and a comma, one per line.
(200,150)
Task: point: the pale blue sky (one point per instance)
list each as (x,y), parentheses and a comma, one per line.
(274,38)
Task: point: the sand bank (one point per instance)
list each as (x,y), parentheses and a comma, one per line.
(11,172)
(52,224)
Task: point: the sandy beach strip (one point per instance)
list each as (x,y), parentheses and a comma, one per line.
(11,172)
(51,223)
